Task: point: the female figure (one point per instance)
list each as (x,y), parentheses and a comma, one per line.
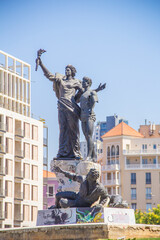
(65,88)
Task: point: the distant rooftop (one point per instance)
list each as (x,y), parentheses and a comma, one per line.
(122,129)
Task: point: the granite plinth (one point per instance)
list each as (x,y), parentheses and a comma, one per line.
(85,215)
(79,167)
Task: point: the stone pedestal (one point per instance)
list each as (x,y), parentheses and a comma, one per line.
(78,167)
(85,215)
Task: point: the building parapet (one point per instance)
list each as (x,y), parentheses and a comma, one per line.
(141,152)
(142,166)
(111,167)
(111,182)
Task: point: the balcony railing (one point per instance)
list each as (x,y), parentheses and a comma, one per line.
(18,196)
(142,166)
(2,127)
(2,215)
(19,132)
(45,161)
(111,182)
(110,167)
(2,193)
(142,152)
(19,153)
(18,174)
(148,196)
(2,148)
(2,171)
(18,217)
(133,196)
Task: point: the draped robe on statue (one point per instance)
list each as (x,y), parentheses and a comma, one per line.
(68,116)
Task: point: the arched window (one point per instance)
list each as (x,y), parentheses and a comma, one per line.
(108,152)
(117,150)
(113,150)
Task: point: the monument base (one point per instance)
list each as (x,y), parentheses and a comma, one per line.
(78,167)
(85,215)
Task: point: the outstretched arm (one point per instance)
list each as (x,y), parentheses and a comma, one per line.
(69,175)
(46,72)
(100,87)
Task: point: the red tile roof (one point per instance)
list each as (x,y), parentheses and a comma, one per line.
(122,129)
(49,175)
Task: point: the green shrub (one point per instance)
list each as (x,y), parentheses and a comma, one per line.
(152,217)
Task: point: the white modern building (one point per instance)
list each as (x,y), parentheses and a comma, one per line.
(21,147)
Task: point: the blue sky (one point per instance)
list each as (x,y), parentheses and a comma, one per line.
(112,41)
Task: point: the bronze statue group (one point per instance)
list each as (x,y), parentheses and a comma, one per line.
(71,91)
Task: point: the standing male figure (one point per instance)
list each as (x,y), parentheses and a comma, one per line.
(88,117)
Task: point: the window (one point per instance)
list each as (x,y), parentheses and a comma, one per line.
(128,161)
(133,178)
(27,150)
(34,193)
(34,173)
(34,213)
(144,147)
(148,206)
(108,151)
(34,132)
(26,213)
(154,161)
(27,130)
(26,191)
(9,167)
(51,191)
(9,124)
(34,152)
(117,150)
(144,161)
(26,171)
(9,145)
(148,193)
(148,178)
(133,193)
(134,206)
(154,146)
(113,151)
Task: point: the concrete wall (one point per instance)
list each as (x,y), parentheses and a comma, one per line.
(82,231)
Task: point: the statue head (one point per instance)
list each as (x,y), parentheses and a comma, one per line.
(73,70)
(92,175)
(87,82)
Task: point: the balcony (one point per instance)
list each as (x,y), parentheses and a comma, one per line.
(19,153)
(2,215)
(111,182)
(18,196)
(45,161)
(19,174)
(18,217)
(2,193)
(2,171)
(142,166)
(2,127)
(141,152)
(111,167)
(2,149)
(19,132)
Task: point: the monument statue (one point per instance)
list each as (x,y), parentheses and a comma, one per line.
(65,87)
(90,191)
(88,117)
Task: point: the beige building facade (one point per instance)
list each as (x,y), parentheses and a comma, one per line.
(21,147)
(131,164)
